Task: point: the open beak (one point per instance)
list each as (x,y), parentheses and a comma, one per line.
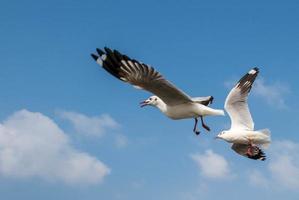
(217,137)
(143,103)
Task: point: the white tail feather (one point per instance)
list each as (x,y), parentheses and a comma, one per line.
(267,133)
(211,111)
(266,145)
(221,112)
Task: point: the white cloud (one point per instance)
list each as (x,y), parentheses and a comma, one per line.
(95,126)
(283,168)
(121,141)
(32,145)
(284,165)
(256,178)
(212,165)
(273,94)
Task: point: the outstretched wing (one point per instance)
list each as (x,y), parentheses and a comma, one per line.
(236,102)
(257,153)
(140,75)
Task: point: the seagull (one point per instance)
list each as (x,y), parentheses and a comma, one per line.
(170,100)
(245,140)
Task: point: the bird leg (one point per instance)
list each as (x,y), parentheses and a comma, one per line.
(195,129)
(204,125)
(249,151)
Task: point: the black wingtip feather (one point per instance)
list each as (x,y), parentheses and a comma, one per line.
(211,99)
(110,63)
(108,50)
(117,54)
(259,154)
(95,57)
(100,52)
(249,77)
(256,69)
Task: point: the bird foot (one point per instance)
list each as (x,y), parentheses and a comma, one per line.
(249,154)
(249,151)
(206,127)
(196,132)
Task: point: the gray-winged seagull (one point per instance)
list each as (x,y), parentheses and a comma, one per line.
(246,141)
(170,100)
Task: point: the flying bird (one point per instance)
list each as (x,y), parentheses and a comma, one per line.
(246,141)
(170,100)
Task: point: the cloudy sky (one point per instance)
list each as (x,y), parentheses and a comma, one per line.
(68,130)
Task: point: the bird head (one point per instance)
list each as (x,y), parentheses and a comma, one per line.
(221,135)
(152,101)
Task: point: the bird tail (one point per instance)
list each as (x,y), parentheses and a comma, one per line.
(216,112)
(267,133)
(220,112)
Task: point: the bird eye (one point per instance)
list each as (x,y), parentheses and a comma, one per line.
(156,99)
(150,99)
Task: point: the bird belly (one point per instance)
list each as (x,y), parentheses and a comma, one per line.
(257,138)
(239,139)
(246,137)
(181,112)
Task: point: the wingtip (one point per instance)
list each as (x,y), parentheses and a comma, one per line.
(100,52)
(259,156)
(108,50)
(211,99)
(95,57)
(254,70)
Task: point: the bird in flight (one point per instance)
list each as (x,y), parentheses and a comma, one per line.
(170,100)
(245,141)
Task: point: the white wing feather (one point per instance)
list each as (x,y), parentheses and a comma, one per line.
(236,102)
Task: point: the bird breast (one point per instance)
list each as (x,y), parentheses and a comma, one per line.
(182,111)
(245,137)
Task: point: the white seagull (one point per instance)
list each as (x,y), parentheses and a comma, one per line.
(170,100)
(246,141)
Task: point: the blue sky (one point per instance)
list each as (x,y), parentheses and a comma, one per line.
(69,130)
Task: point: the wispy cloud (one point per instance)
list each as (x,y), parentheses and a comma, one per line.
(92,126)
(32,145)
(121,141)
(273,94)
(283,168)
(258,179)
(212,165)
